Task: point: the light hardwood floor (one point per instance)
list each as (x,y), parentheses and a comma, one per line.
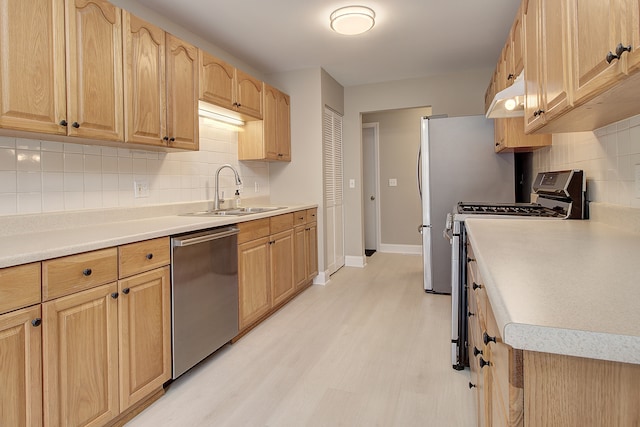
(369,349)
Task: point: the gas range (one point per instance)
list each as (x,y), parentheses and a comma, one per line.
(558,195)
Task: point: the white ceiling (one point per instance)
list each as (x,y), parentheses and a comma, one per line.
(411,38)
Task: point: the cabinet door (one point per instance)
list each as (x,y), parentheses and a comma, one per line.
(21,368)
(270,123)
(517,42)
(595,27)
(532,68)
(95,100)
(182,94)
(216,81)
(499,126)
(281,251)
(284,127)
(632,37)
(555,49)
(254,280)
(144,82)
(145,334)
(311,243)
(80,354)
(32,51)
(300,256)
(248,94)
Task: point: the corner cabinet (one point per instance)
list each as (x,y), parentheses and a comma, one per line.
(270,138)
(510,136)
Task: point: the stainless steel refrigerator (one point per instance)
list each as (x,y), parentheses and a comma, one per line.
(456,162)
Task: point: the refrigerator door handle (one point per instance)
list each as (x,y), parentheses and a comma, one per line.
(418,171)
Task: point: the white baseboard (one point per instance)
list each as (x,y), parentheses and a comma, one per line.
(322,278)
(401,249)
(355,261)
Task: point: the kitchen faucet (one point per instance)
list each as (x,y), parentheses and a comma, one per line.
(216,199)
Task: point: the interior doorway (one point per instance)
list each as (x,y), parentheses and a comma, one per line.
(370,190)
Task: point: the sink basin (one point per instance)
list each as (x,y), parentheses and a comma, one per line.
(234,211)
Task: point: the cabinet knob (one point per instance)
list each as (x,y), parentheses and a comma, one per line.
(476,286)
(620,49)
(172,139)
(510,76)
(610,57)
(126,291)
(239,105)
(497,144)
(114,295)
(486,338)
(476,352)
(484,363)
(63,122)
(36,322)
(166,138)
(470,314)
(87,272)
(470,259)
(75,125)
(280,155)
(471,385)
(537,113)
(149,256)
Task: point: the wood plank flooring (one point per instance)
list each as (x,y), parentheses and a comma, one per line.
(369,349)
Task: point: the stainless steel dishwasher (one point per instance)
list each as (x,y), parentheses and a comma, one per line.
(204,294)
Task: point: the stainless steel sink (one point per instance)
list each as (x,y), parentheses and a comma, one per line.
(234,211)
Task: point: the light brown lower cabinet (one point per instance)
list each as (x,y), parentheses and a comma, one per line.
(525,388)
(254,280)
(21,368)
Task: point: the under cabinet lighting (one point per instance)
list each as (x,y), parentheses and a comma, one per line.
(220,117)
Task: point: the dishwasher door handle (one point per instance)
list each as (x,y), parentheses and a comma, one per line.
(205,238)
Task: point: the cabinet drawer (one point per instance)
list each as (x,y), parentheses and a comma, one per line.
(19,286)
(252,230)
(299,218)
(143,256)
(281,223)
(63,276)
(312,215)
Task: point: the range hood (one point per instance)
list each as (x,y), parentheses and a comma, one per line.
(508,102)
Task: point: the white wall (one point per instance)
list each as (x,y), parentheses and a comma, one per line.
(44,176)
(455,94)
(609,156)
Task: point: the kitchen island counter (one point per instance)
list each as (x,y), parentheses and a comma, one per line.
(30,238)
(563,287)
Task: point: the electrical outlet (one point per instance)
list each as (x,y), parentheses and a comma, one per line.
(141,188)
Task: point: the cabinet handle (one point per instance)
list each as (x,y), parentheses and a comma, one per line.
(126,291)
(486,338)
(172,139)
(540,112)
(471,385)
(36,322)
(510,76)
(87,272)
(620,49)
(610,57)
(476,286)
(470,259)
(484,363)
(166,138)
(470,314)
(476,352)
(149,256)
(239,105)
(75,125)
(280,155)
(497,144)
(63,122)
(114,295)
(272,242)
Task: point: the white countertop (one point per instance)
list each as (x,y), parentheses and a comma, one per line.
(20,248)
(567,287)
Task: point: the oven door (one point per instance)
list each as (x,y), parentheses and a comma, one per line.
(458,297)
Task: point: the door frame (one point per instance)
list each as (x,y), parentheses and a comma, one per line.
(376,178)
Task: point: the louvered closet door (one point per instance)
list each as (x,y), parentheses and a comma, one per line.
(333,192)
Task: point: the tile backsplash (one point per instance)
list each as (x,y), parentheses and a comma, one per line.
(609,156)
(44,176)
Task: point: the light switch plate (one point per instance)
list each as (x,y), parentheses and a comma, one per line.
(352,183)
(393,182)
(141,188)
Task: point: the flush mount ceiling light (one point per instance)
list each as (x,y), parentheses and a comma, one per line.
(352,20)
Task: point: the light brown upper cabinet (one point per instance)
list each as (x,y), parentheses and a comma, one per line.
(145,89)
(270,138)
(95,103)
(85,101)
(161,87)
(546,72)
(32,50)
(223,85)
